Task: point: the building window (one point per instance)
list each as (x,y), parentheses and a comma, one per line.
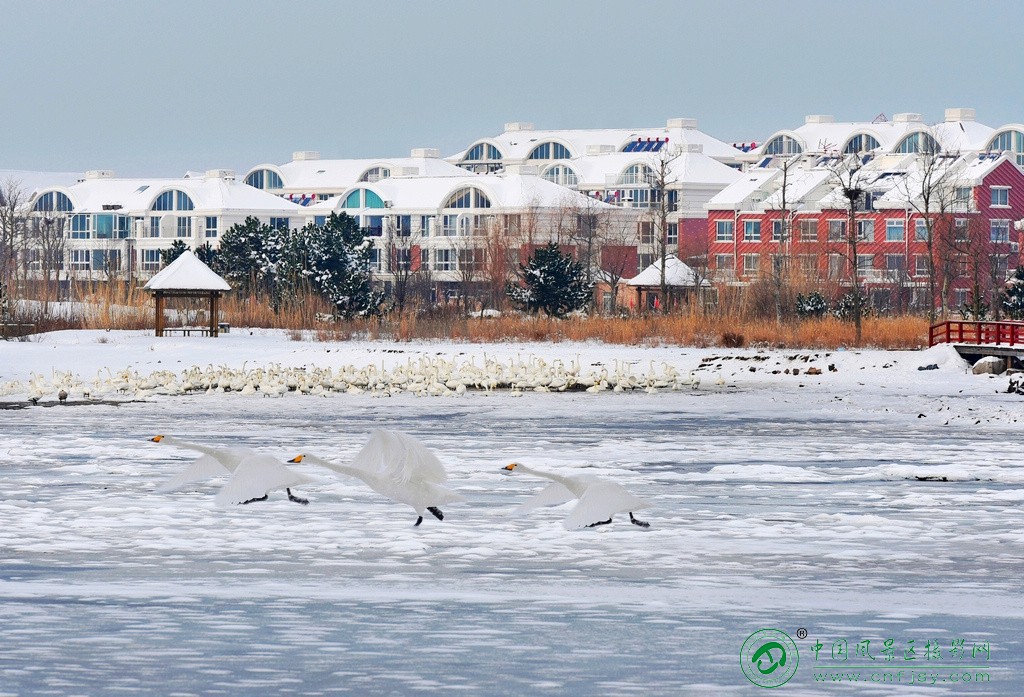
(376,259)
(999,264)
(920,265)
(354,199)
(725,262)
(895,230)
(808,265)
(866,230)
(154,226)
(860,143)
(550,151)
(836,230)
(53,201)
(920,230)
(724,230)
(80,227)
(469,197)
(211,226)
(373,200)
(782,145)
(482,151)
(808,230)
(426,223)
(895,264)
(751,230)
(444,260)
(637,174)
(375,174)
(751,262)
(450,227)
(961,270)
(173,200)
(646,232)
(918,142)
(961,230)
(672,234)
(150,259)
(1000,196)
(836,266)
(264,179)
(279,223)
(403,225)
(865,264)
(776,231)
(80,259)
(962,198)
(644,260)
(999,230)
(561,175)
(184,227)
(106,260)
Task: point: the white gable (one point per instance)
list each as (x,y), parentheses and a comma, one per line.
(187,272)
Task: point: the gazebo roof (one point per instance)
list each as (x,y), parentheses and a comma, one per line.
(677,274)
(187,273)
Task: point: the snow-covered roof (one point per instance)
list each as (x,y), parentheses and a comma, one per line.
(218,191)
(506,190)
(686,168)
(187,272)
(676,274)
(311,174)
(518,140)
(734,196)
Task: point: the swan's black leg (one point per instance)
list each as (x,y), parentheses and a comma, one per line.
(436,511)
(600,522)
(641,523)
(296,499)
(260,498)
(418,521)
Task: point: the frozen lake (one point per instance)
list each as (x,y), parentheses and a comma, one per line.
(817,507)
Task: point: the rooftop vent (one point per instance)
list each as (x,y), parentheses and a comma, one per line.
(303,155)
(526,170)
(960,114)
(519,126)
(693,147)
(409,171)
(99,174)
(819,118)
(225,174)
(599,149)
(681,123)
(907,118)
(425,152)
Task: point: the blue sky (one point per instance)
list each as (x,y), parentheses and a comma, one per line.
(156,88)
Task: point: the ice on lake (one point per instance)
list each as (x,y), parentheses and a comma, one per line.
(870,504)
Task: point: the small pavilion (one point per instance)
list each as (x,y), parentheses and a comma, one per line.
(680,279)
(187,277)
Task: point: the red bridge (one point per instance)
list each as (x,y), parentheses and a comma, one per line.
(974,340)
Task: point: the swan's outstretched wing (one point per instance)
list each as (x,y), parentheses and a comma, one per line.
(600,502)
(255,476)
(551,495)
(201,469)
(399,457)
(437,495)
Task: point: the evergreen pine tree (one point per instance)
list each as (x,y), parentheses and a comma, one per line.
(552,282)
(176,249)
(1013,295)
(336,258)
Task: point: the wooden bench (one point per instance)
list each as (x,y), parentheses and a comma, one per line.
(10,330)
(187,331)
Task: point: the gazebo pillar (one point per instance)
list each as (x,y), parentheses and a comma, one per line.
(214,324)
(159,313)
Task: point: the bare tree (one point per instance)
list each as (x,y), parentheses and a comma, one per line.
(618,256)
(847,175)
(780,261)
(664,202)
(13,228)
(47,244)
(402,253)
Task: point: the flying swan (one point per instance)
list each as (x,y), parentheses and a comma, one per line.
(252,474)
(399,467)
(599,499)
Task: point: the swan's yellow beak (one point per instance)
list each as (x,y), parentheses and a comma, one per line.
(296,459)
(156,439)
(510,467)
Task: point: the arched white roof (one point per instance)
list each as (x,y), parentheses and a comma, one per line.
(315,175)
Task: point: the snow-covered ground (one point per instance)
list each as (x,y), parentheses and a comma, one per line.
(872,501)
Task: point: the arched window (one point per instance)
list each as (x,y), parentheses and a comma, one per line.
(783,145)
(550,151)
(53,201)
(375,174)
(469,197)
(482,152)
(1012,140)
(562,175)
(862,142)
(373,200)
(918,142)
(173,200)
(354,200)
(265,179)
(637,174)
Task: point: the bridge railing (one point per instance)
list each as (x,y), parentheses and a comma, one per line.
(997,333)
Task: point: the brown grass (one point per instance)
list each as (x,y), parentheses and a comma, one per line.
(685,329)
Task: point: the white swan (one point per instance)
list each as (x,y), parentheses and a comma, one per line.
(399,467)
(599,499)
(253,475)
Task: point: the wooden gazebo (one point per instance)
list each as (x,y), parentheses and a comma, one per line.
(187,277)
(680,279)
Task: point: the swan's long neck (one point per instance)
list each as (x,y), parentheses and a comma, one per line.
(341,469)
(205,449)
(565,481)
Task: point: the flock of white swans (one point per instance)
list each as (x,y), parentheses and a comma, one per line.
(427,376)
(398,467)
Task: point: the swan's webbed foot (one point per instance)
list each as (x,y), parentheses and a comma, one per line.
(258,498)
(436,512)
(641,523)
(418,521)
(600,522)
(296,499)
